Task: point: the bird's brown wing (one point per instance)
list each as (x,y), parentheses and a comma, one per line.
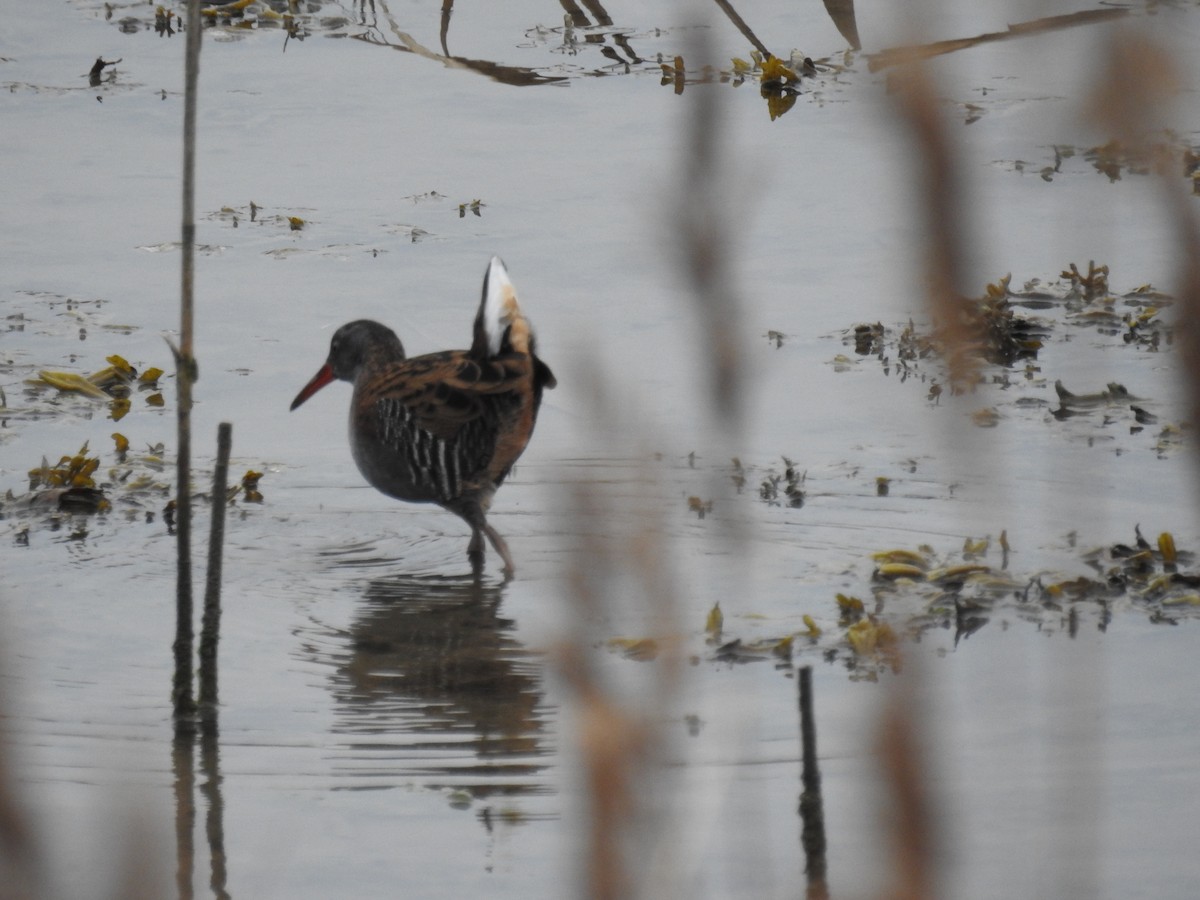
(444,392)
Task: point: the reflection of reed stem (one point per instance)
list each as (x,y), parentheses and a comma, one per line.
(214,819)
(183,749)
(210,629)
(812,804)
(185,368)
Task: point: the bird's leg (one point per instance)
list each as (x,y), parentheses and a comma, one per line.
(501,548)
(476,518)
(475,550)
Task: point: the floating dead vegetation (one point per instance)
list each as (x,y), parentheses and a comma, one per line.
(911,592)
(59,315)
(237,16)
(253,214)
(115,385)
(779,80)
(289,221)
(1163,152)
(474,207)
(1008,331)
(780,487)
(135,484)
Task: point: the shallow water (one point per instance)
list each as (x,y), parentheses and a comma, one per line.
(386,721)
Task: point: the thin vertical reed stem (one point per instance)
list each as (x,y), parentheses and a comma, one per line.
(185,366)
(210,629)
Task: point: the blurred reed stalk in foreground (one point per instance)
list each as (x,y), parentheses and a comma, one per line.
(623,562)
(1136,82)
(633,832)
(621,744)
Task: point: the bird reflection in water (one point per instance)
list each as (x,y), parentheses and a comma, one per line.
(430,658)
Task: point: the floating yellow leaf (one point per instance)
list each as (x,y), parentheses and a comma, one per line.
(151,375)
(108,378)
(868,636)
(296,223)
(226,8)
(715,621)
(121,441)
(849,604)
(122,365)
(912,557)
(976,548)
(82,471)
(70,471)
(1166,546)
(814,630)
(741,67)
(1000,289)
(71,381)
(140,483)
(118,408)
(250,486)
(1190,599)
(775,69)
(956,573)
(893,571)
(155,399)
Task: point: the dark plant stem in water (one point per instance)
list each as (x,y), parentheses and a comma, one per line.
(210,628)
(185,365)
(812,805)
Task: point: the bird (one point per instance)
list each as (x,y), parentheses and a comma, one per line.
(445,427)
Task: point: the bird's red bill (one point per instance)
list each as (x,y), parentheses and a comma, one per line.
(322,378)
